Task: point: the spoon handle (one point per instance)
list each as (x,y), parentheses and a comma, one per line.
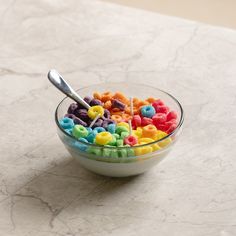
(56,79)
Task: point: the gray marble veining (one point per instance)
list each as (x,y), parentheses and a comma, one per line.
(43,192)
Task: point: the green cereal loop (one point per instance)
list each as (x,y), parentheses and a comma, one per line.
(80,131)
(106,152)
(124,134)
(120,129)
(95,151)
(114,153)
(117,136)
(122,153)
(130,152)
(119,142)
(113,141)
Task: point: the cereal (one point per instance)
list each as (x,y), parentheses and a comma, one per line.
(72,108)
(82,114)
(148,111)
(82,146)
(88,99)
(97,96)
(121,97)
(94,111)
(131,140)
(146,121)
(78,121)
(116,118)
(126,117)
(159,118)
(107,114)
(120,129)
(111,128)
(111,118)
(103,138)
(107,122)
(172,115)
(124,134)
(149,131)
(107,104)
(107,96)
(95,102)
(136,121)
(66,123)
(99,129)
(80,131)
(123,124)
(118,104)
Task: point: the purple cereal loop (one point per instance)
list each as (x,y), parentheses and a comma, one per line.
(107,114)
(118,104)
(71,116)
(78,121)
(72,108)
(95,102)
(98,123)
(107,122)
(82,114)
(88,99)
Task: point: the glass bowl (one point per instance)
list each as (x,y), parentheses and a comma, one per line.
(111,161)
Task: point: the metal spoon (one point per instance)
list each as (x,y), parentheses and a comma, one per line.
(56,79)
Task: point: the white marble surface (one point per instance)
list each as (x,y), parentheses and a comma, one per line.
(43,192)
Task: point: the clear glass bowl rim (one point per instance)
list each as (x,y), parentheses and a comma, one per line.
(181,120)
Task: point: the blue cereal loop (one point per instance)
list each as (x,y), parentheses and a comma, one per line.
(90,138)
(81,146)
(89,129)
(111,128)
(69,131)
(148,111)
(99,129)
(66,123)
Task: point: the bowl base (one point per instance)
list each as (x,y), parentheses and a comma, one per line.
(117,169)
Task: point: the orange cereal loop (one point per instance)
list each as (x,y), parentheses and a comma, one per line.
(115,110)
(97,95)
(135,101)
(121,97)
(106,96)
(107,104)
(136,110)
(149,131)
(143,103)
(127,110)
(116,113)
(151,100)
(126,117)
(116,118)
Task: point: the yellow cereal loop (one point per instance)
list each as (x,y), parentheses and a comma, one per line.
(94,111)
(103,138)
(142,150)
(165,142)
(123,124)
(138,132)
(155,146)
(146,140)
(160,134)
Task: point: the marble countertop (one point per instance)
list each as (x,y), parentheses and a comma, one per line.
(44,192)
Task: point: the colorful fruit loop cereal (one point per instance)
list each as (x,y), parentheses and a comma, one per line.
(117,126)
